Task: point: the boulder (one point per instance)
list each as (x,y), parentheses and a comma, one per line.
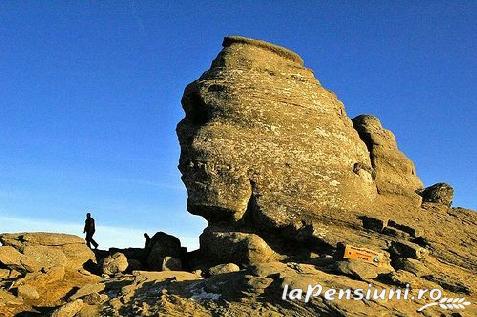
(360,269)
(44,250)
(43,278)
(134,265)
(171,264)
(224,268)
(28,292)
(130,253)
(114,264)
(10,257)
(44,256)
(406,249)
(87,290)
(162,245)
(163,276)
(4,274)
(440,193)
(219,245)
(413,266)
(69,310)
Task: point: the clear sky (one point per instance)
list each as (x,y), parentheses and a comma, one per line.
(90,97)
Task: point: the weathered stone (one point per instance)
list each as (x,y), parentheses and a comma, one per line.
(405,249)
(10,257)
(267,269)
(134,265)
(48,249)
(39,238)
(4,273)
(395,173)
(414,232)
(374,224)
(14,274)
(166,275)
(224,268)
(93,299)
(41,256)
(393,232)
(69,310)
(162,245)
(236,247)
(261,135)
(28,292)
(440,193)
(88,289)
(49,276)
(360,269)
(171,264)
(9,298)
(414,266)
(114,264)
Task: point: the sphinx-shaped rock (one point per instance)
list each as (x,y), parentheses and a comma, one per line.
(263,139)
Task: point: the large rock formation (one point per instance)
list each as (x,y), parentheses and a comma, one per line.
(44,268)
(263,139)
(296,195)
(264,147)
(269,155)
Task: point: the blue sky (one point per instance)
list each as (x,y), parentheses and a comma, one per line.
(90,97)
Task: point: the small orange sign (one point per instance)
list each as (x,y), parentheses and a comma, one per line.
(366,255)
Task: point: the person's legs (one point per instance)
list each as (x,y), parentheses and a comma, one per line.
(95,244)
(89,240)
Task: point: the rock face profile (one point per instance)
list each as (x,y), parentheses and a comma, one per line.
(296,194)
(263,139)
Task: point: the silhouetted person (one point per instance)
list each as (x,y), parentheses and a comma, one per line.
(89,229)
(148,241)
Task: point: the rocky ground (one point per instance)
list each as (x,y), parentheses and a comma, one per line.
(295,193)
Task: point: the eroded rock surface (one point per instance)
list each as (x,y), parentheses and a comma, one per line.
(287,182)
(263,139)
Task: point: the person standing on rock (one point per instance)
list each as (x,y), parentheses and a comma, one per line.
(89,229)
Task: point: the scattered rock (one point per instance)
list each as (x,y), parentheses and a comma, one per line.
(414,232)
(393,232)
(28,292)
(171,264)
(359,269)
(413,266)
(162,245)
(87,290)
(43,250)
(4,274)
(165,275)
(235,247)
(93,299)
(117,263)
(11,258)
(406,249)
(69,310)
(374,224)
(224,268)
(440,193)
